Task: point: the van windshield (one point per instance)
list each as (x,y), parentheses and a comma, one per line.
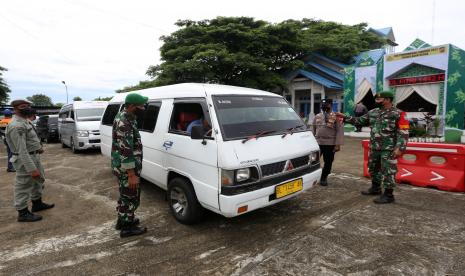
(243,116)
(90,114)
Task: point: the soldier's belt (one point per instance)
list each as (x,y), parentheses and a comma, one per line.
(31,152)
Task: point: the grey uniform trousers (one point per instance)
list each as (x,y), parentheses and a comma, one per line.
(25,186)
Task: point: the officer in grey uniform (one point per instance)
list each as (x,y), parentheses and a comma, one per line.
(26,149)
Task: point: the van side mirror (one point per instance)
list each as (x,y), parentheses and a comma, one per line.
(69,120)
(197,133)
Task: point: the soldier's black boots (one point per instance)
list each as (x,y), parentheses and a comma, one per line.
(132,230)
(373,190)
(119,224)
(385,198)
(38,205)
(324,182)
(25,215)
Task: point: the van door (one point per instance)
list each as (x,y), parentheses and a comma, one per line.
(195,159)
(152,136)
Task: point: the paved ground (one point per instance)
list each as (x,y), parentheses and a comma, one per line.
(326,231)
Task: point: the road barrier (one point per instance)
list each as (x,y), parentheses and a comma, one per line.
(431,165)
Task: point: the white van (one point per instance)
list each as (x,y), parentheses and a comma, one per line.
(258,151)
(79,123)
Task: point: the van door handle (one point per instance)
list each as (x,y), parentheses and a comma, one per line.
(168,144)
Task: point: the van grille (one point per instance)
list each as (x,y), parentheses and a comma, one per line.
(278,167)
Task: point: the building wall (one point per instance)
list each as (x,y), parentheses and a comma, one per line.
(455,102)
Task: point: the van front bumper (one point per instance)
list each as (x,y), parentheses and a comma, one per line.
(91,142)
(263,193)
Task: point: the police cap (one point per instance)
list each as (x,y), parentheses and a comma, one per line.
(15,103)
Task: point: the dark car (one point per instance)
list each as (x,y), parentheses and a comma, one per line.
(47,128)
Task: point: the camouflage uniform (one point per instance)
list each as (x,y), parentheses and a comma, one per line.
(126,154)
(389,131)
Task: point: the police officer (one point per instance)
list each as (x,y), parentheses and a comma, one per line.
(329,133)
(26,147)
(388,139)
(126,162)
(3,123)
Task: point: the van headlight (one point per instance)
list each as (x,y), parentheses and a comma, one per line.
(314,157)
(239,176)
(81,133)
(242,174)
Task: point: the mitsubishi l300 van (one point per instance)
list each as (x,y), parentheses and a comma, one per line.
(227,149)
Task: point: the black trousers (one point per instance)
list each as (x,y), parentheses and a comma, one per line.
(327,151)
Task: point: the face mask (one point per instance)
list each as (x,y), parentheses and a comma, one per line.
(326,108)
(139,112)
(26,112)
(379,104)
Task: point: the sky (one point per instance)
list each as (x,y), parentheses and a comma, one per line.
(97,47)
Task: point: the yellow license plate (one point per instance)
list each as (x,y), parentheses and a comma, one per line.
(289,188)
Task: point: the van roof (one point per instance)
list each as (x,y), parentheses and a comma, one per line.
(87,104)
(192,90)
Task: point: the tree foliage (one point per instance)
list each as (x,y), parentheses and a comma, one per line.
(40,100)
(103,99)
(77,99)
(4,89)
(252,53)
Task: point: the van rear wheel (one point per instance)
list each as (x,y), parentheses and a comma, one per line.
(183,202)
(73,147)
(63,145)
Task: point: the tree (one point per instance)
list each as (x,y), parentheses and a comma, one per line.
(103,98)
(59,104)
(40,100)
(4,89)
(252,53)
(77,98)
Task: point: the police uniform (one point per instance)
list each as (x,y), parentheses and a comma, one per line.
(329,132)
(3,123)
(126,154)
(26,148)
(389,131)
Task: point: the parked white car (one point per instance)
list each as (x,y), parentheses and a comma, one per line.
(79,123)
(258,151)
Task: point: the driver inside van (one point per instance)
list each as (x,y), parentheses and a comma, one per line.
(200,122)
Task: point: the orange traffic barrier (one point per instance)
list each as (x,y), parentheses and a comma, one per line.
(431,165)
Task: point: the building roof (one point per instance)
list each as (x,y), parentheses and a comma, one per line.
(332,61)
(387,33)
(326,70)
(413,64)
(375,55)
(417,44)
(316,78)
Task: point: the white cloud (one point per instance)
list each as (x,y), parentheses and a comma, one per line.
(101,46)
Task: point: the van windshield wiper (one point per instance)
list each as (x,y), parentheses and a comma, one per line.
(255,136)
(291,130)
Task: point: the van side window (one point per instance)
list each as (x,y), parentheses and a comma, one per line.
(186,114)
(150,117)
(110,114)
(72,114)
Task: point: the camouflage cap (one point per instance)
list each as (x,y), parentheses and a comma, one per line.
(134,98)
(327,101)
(15,103)
(385,94)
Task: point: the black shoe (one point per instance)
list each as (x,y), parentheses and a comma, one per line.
(10,170)
(132,230)
(324,182)
(25,215)
(38,205)
(119,224)
(386,198)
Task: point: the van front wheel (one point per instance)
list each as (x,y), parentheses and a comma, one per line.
(183,202)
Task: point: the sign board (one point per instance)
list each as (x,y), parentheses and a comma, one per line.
(419,53)
(417,80)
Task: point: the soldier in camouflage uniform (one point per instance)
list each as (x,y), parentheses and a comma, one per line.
(388,139)
(126,163)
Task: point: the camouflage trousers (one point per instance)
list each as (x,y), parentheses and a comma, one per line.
(129,200)
(383,168)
